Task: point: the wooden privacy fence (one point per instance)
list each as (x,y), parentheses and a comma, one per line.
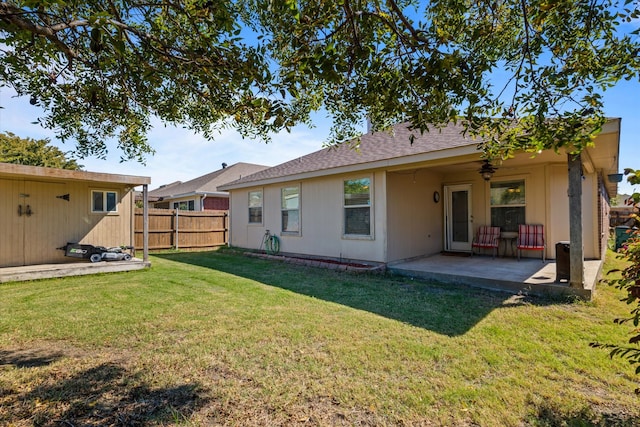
(621,215)
(178,229)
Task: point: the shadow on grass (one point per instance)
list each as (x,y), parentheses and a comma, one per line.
(549,415)
(106,394)
(28,359)
(443,308)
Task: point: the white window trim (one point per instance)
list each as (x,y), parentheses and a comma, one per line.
(371,205)
(261,207)
(292,233)
(513,178)
(104,201)
(195,205)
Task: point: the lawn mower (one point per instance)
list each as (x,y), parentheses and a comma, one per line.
(98,253)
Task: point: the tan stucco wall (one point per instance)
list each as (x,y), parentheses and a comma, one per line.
(415,221)
(406,216)
(558,186)
(321,220)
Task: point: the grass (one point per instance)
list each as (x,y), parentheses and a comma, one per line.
(215,338)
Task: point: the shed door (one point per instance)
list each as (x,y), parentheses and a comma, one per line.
(11,224)
(33,224)
(45,227)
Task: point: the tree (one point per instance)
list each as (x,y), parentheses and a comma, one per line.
(14,149)
(101,69)
(629,282)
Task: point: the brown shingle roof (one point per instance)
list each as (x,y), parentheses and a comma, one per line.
(373,147)
(208,183)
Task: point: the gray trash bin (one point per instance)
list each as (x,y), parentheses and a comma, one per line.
(563,261)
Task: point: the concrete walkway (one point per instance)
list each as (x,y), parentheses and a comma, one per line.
(527,276)
(46,271)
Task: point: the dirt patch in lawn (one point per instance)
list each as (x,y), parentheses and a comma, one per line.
(70,387)
(63,386)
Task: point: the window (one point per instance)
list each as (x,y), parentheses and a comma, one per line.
(185,205)
(104,201)
(255,207)
(508,203)
(357,206)
(291,210)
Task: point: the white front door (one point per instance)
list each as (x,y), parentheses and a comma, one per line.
(458,218)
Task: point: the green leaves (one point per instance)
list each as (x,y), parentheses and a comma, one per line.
(14,149)
(520,74)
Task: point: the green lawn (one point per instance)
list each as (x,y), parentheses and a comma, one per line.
(216,338)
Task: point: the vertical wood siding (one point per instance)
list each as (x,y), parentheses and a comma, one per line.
(48,221)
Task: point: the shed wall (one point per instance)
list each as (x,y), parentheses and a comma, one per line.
(53,221)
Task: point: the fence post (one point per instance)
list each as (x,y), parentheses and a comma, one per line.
(225,225)
(176,226)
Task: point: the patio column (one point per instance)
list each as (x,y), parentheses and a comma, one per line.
(145,223)
(576,255)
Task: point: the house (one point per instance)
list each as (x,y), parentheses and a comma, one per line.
(201,193)
(43,209)
(396,199)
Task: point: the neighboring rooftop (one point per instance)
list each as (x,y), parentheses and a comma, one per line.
(208,183)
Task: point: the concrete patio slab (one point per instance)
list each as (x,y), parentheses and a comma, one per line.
(527,276)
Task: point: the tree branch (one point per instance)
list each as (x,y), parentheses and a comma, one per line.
(12,15)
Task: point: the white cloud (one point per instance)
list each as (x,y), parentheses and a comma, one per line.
(180,154)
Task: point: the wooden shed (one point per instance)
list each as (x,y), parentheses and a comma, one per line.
(43,209)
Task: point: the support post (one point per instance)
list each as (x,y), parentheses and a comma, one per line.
(576,255)
(145,223)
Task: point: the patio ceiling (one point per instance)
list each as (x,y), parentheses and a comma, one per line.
(602,158)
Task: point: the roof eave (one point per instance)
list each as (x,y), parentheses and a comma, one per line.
(23,171)
(393,162)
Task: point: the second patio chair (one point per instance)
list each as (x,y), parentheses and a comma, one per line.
(531,238)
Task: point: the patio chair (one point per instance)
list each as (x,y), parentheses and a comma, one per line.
(487,237)
(531,238)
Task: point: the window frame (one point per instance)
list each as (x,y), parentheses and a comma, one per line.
(105,201)
(523,205)
(190,201)
(284,209)
(369,205)
(249,207)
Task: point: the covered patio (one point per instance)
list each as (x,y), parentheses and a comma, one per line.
(527,276)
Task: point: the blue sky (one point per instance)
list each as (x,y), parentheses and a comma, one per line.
(183,155)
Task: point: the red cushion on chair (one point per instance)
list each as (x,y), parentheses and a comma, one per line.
(487,237)
(531,237)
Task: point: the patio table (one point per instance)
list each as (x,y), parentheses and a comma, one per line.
(509,239)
